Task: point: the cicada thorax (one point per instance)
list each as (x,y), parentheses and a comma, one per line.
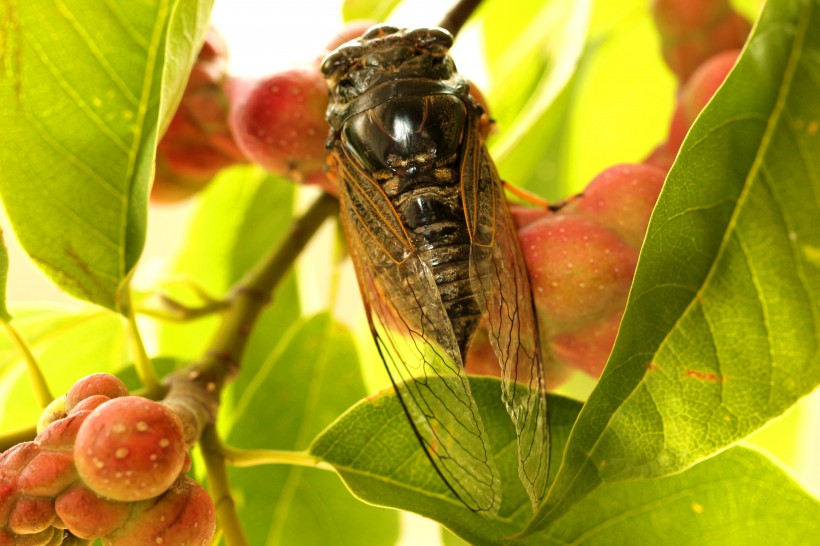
(405,126)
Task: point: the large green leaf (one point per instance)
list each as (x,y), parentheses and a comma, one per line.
(86,89)
(722,326)
(68,343)
(306,383)
(738,497)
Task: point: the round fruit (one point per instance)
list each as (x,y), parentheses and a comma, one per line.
(97,383)
(580,270)
(130,449)
(88,515)
(622,198)
(279,121)
(183,515)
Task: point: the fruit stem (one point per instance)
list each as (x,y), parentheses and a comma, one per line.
(256,457)
(15,437)
(35,374)
(145,369)
(458,15)
(217,472)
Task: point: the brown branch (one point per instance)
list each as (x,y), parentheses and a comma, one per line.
(458,15)
(193,392)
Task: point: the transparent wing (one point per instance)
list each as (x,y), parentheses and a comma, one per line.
(502,288)
(414,337)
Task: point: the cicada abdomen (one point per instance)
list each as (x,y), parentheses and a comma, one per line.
(435,251)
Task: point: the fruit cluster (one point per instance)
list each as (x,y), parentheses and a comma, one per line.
(581,258)
(691,31)
(104,465)
(277,122)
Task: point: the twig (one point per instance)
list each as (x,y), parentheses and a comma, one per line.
(142,363)
(193,392)
(226,512)
(458,15)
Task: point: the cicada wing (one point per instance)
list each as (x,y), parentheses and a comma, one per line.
(502,288)
(416,342)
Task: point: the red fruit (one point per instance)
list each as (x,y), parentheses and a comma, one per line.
(47,474)
(31,515)
(130,449)
(60,435)
(183,515)
(622,198)
(697,92)
(90,403)
(88,515)
(211,65)
(676,17)
(662,157)
(587,349)
(97,383)
(197,143)
(580,271)
(18,456)
(685,53)
(523,216)
(279,122)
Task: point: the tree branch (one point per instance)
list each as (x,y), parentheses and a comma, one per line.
(458,15)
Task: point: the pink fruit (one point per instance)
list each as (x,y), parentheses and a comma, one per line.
(183,515)
(697,92)
(580,271)
(622,198)
(49,473)
(130,449)
(31,515)
(279,121)
(88,515)
(98,383)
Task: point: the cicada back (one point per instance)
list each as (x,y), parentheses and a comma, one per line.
(435,251)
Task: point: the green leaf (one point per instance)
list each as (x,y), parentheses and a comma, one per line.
(733,498)
(4,272)
(243,214)
(69,343)
(86,89)
(532,53)
(722,326)
(377,10)
(309,380)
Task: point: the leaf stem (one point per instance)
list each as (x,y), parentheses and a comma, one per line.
(256,457)
(35,374)
(226,512)
(145,369)
(458,15)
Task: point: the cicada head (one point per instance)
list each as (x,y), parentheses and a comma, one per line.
(376,66)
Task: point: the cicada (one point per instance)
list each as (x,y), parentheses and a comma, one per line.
(435,251)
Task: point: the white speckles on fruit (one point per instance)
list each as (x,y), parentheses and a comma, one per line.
(130,449)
